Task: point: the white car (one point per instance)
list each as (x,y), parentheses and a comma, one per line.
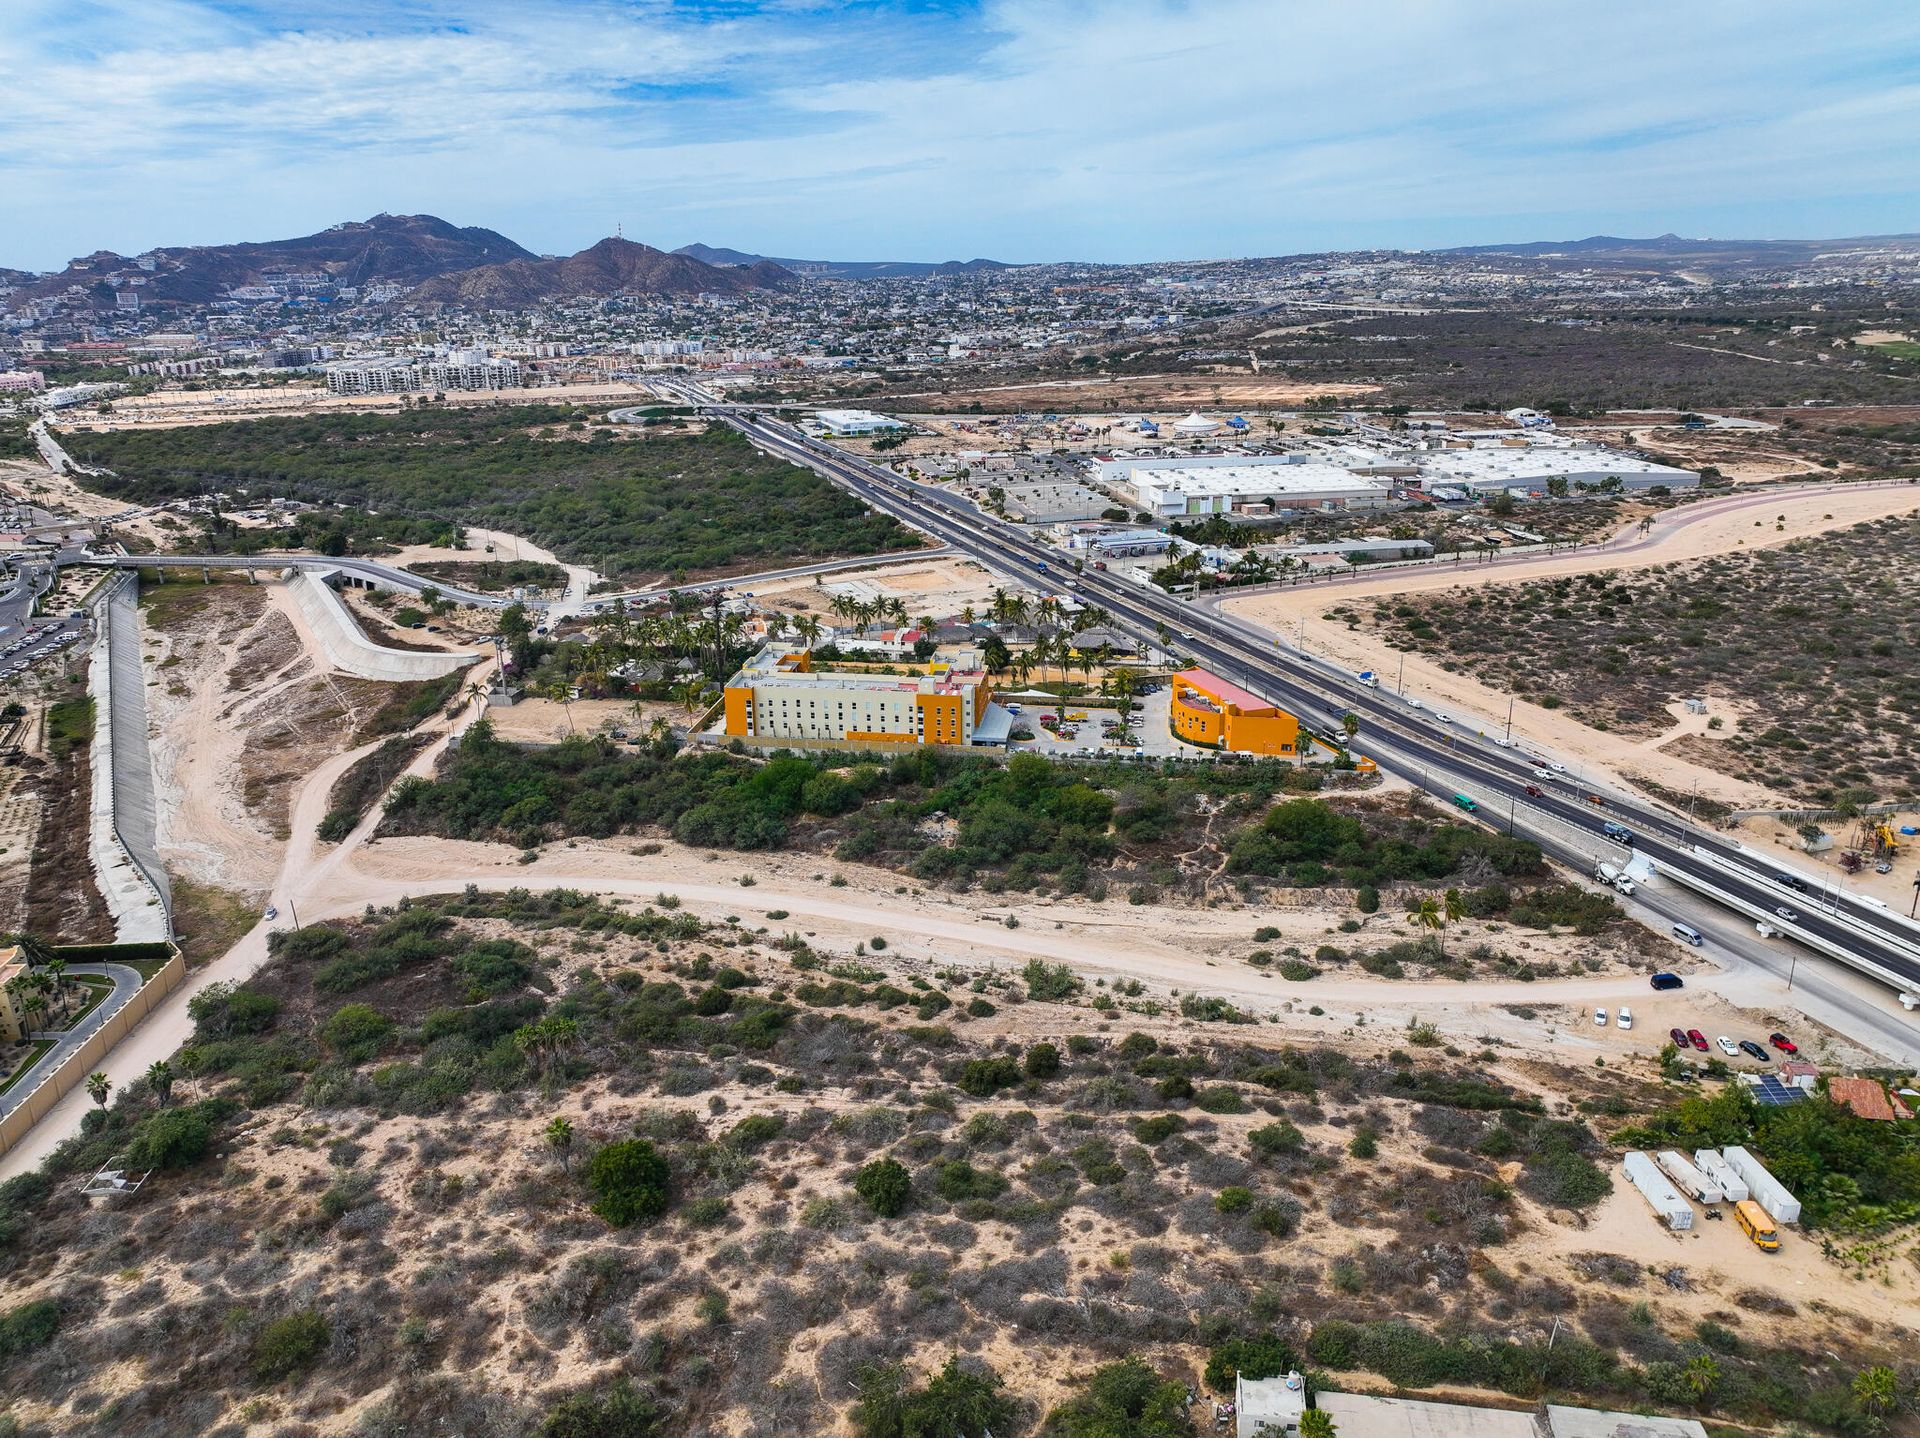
(1557,767)
(1542,773)
(1415,704)
(1626,1017)
(1443,718)
(1600,1018)
(1728,1046)
(1503,743)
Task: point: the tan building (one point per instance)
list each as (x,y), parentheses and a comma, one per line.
(779,695)
(12,1023)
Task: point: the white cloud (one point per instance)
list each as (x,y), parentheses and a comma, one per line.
(1034,128)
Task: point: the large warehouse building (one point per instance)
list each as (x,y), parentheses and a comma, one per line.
(1240,483)
(1356,475)
(779,696)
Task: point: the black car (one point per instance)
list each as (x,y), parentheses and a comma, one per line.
(1791,881)
(1753,1050)
(1667,981)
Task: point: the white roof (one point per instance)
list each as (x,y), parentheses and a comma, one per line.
(1277,480)
(1197,423)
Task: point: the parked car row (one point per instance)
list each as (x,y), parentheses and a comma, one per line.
(1732,1048)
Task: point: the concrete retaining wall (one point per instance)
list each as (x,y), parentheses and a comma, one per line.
(346,643)
(121,816)
(85,1059)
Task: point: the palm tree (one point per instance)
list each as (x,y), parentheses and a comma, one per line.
(559,1137)
(561,693)
(1316,1423)
(160,1081)
(1350,724)
(98,1087)
(1430,915)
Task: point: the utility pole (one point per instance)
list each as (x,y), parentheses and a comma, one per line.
(1511,701)
(1400,684)
(293,911)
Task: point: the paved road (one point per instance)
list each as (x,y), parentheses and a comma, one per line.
(1410,743)
(125,982)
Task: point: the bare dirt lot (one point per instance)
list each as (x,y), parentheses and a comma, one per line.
(1346,622)
(1134,393)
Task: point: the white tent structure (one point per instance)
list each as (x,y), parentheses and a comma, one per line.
(1196,425)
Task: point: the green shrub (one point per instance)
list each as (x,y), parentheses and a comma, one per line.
(1126,1399)
(885,1185)
(615,1411)
(957,1181)
(1266,1356)
(357,1032)
(1233,1199)
(289,1345)
(1276,1139)
(628,1180)
(1220,1100)
(30,1326)
(1042,1061)
(1152,1131)
(984,1078)
(170,1138)
(707,1212)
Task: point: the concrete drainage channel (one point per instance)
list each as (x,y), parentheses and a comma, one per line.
(122,825)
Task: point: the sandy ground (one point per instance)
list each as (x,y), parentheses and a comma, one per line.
(1716,526)
(541,721)
(1136,392)
(941,587)
(1895,889)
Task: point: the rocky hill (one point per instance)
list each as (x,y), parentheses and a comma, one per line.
(614,266)
(397,249)
(839,269)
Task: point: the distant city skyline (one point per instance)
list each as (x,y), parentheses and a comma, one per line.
(1021,130)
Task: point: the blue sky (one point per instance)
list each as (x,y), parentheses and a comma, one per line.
(1019,129)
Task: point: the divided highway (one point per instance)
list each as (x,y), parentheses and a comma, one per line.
(1408,742)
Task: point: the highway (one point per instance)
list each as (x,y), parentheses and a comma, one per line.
(1438,758)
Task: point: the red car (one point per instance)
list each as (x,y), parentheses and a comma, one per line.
(1783,1043)
(1679,1037)
(1536,791)
(1697,1039)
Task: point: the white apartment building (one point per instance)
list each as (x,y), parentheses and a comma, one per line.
(388,374)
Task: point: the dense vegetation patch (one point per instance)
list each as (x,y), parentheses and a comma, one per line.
(676,506)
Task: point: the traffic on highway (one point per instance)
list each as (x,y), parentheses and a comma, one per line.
(1530,792)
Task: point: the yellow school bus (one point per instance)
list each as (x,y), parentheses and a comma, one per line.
(1757,1224)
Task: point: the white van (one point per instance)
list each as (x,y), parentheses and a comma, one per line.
(1626,1017)
(1687,934)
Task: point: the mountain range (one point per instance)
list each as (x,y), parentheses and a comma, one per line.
(614,266)
(839,269)
(395,249)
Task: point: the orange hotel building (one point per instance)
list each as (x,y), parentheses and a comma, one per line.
(1211,711)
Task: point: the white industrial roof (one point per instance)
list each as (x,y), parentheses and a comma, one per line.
(1261,479)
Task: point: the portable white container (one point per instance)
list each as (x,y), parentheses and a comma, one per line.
(1662,1197)
(1688,1179)
(1762,1187)
(1721,1172)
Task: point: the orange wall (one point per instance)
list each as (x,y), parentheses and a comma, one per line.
(737,710)
(941,715)
(1200,726)
(1274,733)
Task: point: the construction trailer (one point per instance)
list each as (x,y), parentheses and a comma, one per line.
(1688,1179)
(1762,1187)
(1721,1172)
(1662,1197)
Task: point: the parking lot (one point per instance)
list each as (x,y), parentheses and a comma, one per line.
(1148,727)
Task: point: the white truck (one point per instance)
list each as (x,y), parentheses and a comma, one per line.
(1608,874)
